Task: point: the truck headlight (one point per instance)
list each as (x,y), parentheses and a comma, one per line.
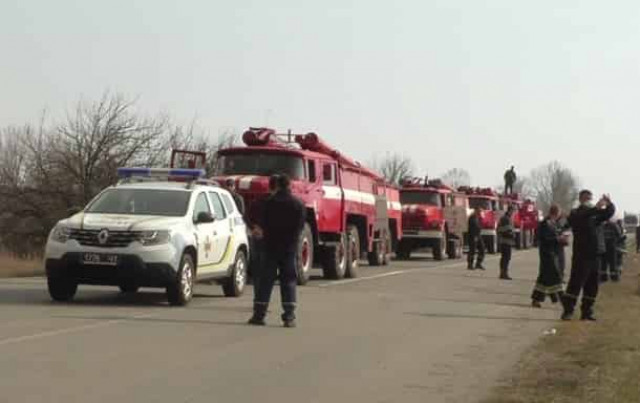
(60,234)
(149,238)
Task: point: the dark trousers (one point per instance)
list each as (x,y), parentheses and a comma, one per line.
(561,262)
(505,259)
(281,266)
(609,262)
(476,245)
(508,188)
(584,278)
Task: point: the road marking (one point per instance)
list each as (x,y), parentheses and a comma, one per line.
(58,332)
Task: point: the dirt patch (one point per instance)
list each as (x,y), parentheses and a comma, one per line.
(582,361)
(13,267)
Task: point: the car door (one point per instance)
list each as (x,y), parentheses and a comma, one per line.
(222,231)
(204,231)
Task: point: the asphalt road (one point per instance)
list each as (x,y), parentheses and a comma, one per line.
(417,331)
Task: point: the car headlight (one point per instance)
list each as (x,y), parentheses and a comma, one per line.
(60,234)
(149,238)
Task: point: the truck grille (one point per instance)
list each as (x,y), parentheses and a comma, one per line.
(116,239)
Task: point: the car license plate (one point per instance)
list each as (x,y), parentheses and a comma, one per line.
(100,259)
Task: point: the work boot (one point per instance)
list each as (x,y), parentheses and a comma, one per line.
(289,323)
(588,316)
(479,266)
(536,304)
(567,313)
(615,278)
(470,267)
(604,278)
(504,275)
(259,313)
(257,321)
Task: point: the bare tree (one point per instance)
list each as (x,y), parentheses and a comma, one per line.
(456,177)
(554,183)
(394,167)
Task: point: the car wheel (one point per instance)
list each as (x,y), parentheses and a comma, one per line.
(180,291)
(62,288)
(234,285)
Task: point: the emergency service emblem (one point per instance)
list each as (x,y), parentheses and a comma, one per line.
(103,236)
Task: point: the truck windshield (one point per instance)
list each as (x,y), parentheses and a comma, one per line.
(171,203)
(417,197)
(260,164)
(485,204)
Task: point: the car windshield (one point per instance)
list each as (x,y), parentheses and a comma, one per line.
(172,203)
(475,202)
(428,198)
(261,164)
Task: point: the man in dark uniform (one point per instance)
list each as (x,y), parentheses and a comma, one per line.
(510,178)
(254,219)
(476,242)
(609,261)
(284,218)
(231,187)
(506,241)
(584,222)
(563,229)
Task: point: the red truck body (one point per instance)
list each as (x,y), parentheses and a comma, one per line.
(351,210)
(425,223)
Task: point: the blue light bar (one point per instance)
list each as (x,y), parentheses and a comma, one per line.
(163,172)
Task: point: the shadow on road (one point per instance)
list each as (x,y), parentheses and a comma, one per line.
(134,319)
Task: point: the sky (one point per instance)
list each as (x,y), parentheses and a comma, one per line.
(472,84)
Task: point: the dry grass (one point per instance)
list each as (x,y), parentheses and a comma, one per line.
(585,362)
(14,267)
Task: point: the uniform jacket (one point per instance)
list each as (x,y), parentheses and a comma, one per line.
(239,202)
(586,224)
(283,219)
(506,234)
(474,225)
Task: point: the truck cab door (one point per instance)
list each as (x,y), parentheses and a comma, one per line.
(331,203)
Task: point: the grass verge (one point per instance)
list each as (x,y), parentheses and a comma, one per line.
(14,267)
(585,362)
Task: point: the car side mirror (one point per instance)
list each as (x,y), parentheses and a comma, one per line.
(204,218)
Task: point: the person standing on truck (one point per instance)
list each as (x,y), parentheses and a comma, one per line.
(283,220)
(506,241)
(476,243)
(585,221)
(231,187)
(510,178)
(550,242)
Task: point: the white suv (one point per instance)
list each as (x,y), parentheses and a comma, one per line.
(151,234)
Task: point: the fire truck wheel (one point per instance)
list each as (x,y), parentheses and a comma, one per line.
(304,260)
(334,260)
(353,251)
(439,248)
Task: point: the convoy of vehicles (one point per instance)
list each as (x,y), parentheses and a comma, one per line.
(147,232)
(170,227)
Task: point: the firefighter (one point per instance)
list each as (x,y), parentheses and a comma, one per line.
(638,238)
(231,187)
(550,242)
(510,178)
(563,228)
(585,221)
(506,241)
(476,243)
(609,260)
(283,221)
(256,242)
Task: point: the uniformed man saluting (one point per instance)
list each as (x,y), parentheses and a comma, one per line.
(283,221)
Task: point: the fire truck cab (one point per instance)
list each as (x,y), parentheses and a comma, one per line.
(351,211)
(433,216)
(489,201)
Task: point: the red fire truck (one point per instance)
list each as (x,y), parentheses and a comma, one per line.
(350,209)
(525,219)
(489,201)
(433,216)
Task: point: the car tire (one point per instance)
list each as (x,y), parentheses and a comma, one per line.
(353,252)
(180,291)
(62,288)
(335,260)
(128,288)
(235,284)
(304,256)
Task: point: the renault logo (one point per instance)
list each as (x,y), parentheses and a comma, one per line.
(103,237)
